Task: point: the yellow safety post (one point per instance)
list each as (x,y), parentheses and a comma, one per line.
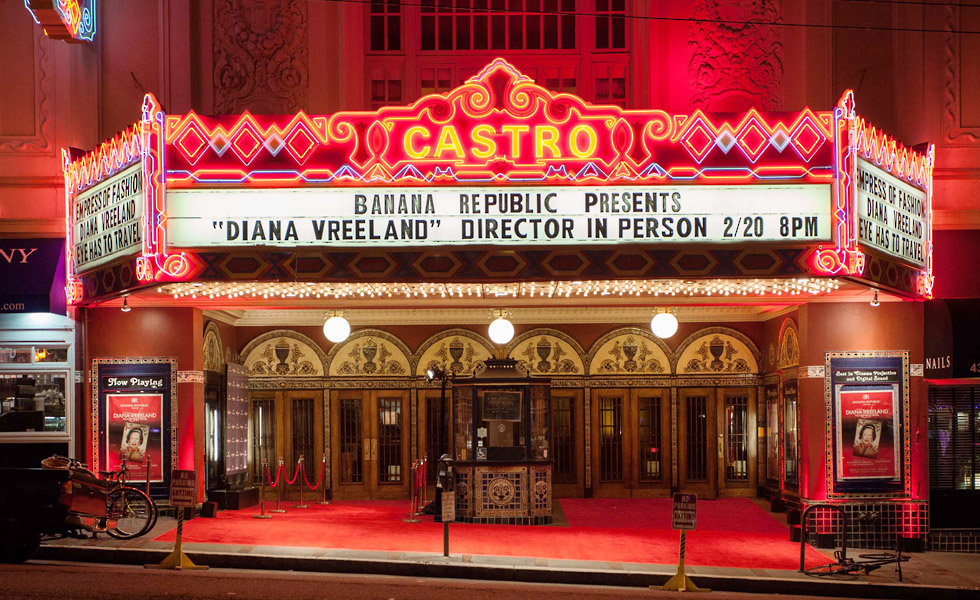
(681,582)
(177,559)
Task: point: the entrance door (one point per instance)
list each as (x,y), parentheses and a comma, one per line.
(631,443)
(434,430)
(370,445)
(717,441)
(286,425)
(567,443)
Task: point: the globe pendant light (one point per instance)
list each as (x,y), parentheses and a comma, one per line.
(501,331)
(663,325)
(336,329)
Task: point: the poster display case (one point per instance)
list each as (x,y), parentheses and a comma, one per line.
(868,446)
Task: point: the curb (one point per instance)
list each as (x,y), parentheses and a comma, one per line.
(522,574)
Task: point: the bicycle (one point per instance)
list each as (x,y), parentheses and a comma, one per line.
(133,510)
(869,562)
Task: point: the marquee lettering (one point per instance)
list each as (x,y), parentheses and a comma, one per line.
(483,141)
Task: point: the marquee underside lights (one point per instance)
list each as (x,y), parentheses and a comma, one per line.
(663,288)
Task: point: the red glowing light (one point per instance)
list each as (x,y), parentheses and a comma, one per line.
(497,127)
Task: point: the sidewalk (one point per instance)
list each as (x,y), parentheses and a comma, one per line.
(929,575)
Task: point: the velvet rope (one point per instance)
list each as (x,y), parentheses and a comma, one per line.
(313,488)
(273,484)
(295,475)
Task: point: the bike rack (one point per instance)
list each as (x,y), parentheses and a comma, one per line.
(843,538)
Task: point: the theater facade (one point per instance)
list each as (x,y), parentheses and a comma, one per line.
(793,248)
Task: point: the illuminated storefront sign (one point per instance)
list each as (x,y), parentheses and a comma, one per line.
(478,161)
(108,219)
(892,215)
(498,215)
(69,20)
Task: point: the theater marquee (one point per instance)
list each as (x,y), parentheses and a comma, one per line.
(346,217)
(473,182)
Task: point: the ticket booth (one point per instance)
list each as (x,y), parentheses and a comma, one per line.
(503,446)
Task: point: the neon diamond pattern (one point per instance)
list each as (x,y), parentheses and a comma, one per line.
(753,139)
(807,139)
(246,143)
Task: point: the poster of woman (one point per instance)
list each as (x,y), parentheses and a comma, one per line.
(133,432)
(867,432)
(134,440)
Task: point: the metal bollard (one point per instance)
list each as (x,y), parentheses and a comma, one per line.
(323,480)
(278,490)
(302,484)
(413,491)
(265,472)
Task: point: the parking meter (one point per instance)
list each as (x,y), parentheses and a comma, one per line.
(445,482)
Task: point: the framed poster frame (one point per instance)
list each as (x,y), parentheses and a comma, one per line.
(142,374)
(873,387)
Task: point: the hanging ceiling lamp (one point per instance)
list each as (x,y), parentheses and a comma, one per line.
(664,324)
(501,329)
(336,328)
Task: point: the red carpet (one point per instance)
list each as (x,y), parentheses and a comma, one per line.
(723,514)
(377,525)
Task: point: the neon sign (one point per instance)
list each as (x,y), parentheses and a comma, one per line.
(499,131)
(499,127)
(859,141)
(69,20)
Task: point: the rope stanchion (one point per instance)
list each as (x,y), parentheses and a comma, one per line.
(149,462)
(301,466)
(262,515)
(323,471)
(279,472)
(423,484)
(412,511)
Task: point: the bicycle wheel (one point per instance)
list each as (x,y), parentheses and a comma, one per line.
(133,511)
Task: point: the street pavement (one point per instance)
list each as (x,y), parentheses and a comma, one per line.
(45,580)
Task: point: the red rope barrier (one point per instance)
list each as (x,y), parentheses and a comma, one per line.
(319,480)
(295,475)
(273,484)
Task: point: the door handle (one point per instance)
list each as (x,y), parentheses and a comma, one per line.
(367,448)
(374,449)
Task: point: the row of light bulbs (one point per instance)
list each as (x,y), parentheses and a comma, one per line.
(554,289)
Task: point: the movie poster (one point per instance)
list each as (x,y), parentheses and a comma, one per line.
(867,430)
(867,396)
(134,424)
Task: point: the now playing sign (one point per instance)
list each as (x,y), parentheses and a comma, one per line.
(685,511)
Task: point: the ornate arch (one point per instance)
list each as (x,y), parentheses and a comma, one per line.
(457,351)
(214,353)
(629,350)
(545,351)
(372,353)
(716,350)
(284,353)
(789,345)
